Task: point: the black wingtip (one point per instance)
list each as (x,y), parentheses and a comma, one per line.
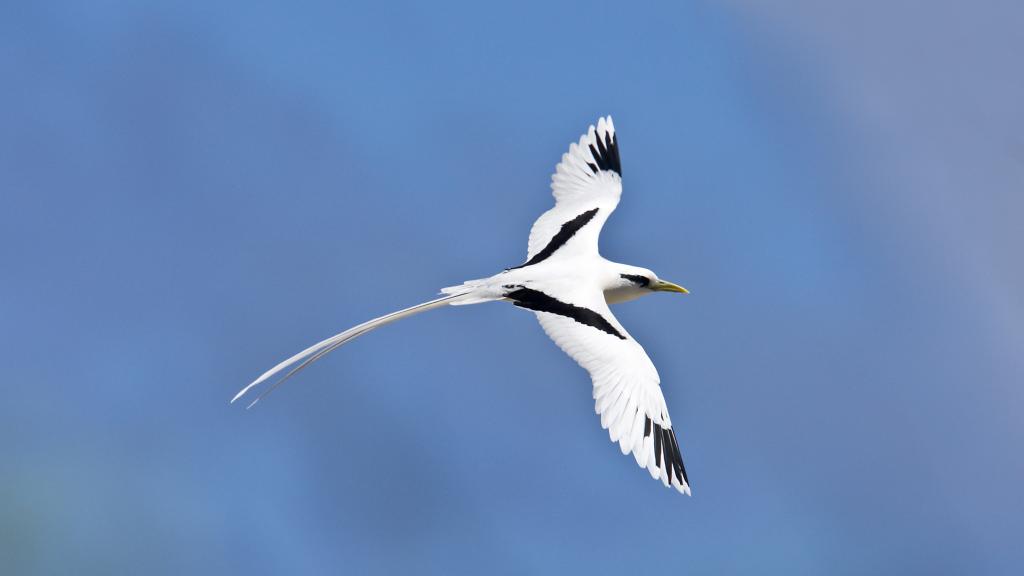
(677,457)
(606,153)
(657,445)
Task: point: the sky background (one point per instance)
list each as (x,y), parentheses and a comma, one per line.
(192,191)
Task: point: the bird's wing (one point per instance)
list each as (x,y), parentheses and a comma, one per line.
(627,390)
(586,185)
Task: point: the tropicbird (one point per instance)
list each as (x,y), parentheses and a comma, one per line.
(569,286)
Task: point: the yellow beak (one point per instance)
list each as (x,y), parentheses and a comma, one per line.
(664,286)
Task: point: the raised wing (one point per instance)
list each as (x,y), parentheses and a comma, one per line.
(627,391)
(586,185)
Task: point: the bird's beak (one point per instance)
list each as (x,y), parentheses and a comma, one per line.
(665,286)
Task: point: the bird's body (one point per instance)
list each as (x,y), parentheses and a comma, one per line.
(590,270)
(569,286)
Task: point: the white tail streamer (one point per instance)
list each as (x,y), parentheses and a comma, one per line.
(320,349)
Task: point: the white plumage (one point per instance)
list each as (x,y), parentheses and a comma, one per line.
(577,188)
(569,286)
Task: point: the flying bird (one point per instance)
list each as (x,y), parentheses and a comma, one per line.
(569,286)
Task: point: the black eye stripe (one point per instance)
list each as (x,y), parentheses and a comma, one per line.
(641,281)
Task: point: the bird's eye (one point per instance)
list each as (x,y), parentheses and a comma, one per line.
(641,281)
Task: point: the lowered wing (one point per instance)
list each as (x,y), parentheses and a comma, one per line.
(627,390)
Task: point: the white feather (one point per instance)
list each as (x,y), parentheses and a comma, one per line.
(626,386)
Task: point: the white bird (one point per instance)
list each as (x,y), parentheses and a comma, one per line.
(569,286)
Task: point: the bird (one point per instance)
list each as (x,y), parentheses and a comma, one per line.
(569,286)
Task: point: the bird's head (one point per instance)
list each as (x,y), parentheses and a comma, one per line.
(634,282)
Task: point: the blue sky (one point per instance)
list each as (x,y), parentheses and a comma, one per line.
(193,192)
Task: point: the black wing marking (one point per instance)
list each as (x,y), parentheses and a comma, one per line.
(567,231)
(666,448)
(538,301)
(606,154)
(677,458)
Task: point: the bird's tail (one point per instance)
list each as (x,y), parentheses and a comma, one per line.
(303,359)
(475,291)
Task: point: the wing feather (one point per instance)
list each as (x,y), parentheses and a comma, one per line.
(588,177)
(627,388)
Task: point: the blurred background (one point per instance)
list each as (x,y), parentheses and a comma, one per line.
(192,191)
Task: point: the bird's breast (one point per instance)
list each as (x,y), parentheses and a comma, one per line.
(622,294)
